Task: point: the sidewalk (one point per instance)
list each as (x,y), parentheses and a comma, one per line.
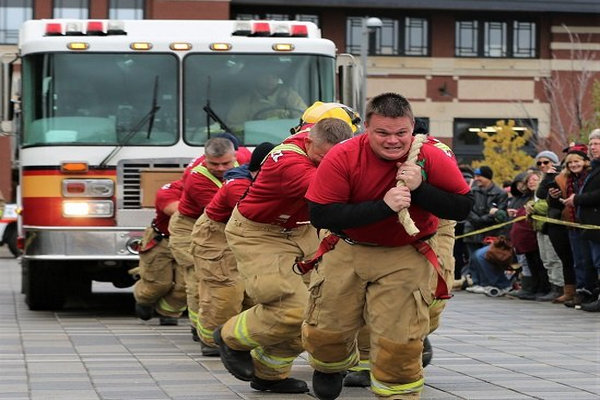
(487,348)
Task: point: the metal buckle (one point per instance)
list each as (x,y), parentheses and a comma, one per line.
(349,241)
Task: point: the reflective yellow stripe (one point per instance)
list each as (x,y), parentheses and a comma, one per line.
(163,305)
(290,147)
(205,333)
(240,331)
(363,365)
(437,303)
(201,169)
(193,317)
(273,362)
(326,367)
(381,389)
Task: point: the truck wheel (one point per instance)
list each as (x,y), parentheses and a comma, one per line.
(44,287)
(11,239)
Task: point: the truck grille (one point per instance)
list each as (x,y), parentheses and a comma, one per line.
(128,178)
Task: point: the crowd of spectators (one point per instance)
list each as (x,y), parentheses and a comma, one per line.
(551,216)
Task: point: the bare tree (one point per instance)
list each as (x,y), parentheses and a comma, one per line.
(567,94)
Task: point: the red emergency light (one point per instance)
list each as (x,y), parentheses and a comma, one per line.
(300,30)
(261,29)
(54,29)
(95,28)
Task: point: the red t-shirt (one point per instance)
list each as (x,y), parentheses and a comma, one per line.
(242,155)
(166,195)
(352,173)
(198,191)
(220,207)
(277,194)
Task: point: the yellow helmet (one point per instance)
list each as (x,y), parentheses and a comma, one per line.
(320,110)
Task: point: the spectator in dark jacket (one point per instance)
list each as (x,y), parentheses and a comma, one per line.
(587,206)
(487,200)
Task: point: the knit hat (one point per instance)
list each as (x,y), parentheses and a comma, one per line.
(550,155)
(580,149)
(484,171)
(258,155)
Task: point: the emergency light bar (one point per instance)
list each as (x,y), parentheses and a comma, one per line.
(266,28)
(93,28)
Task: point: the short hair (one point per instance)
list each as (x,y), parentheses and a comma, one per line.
(392,105)
(595,134)
(218,147)
(330,131)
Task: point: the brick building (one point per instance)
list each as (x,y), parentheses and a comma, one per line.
(463,64)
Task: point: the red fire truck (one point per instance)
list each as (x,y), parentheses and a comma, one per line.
(102,104)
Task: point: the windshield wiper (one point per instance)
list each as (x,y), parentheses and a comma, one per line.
(211,114)
(149,117)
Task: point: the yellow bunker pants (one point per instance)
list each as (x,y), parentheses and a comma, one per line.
(221,288)
(180,230)
(443,245)
(265,255)
(390,286)
(161,280)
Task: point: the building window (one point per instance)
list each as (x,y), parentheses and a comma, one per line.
(12,15)
(524,39)
(495,39)
(74,9)
(404,37)
(126,9)
(468,146)
(279,17)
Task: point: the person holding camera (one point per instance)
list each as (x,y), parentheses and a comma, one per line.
(548,163)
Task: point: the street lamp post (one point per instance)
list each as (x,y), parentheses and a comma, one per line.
(369,24)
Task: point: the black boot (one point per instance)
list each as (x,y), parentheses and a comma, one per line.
(287,385)
(358,378)
(195,336)
(144,312)
(238,363)
(527,291)
(594,306)
(208,351)
(554,293)
(327,386)
(168,321)
(427,352)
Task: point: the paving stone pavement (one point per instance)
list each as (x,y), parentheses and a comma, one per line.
(487,348)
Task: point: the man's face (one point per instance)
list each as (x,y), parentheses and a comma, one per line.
(316,151)
(482,181)
(219,165)
(267,84)
(389,138)
(594,147)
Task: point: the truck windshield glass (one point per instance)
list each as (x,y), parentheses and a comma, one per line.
(257,97)
(100,99)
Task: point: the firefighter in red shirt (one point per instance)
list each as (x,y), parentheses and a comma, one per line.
(378,266)
(268,232)
(199,188)
(221,287)
(161,287)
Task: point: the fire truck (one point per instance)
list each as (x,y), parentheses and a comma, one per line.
(103,108)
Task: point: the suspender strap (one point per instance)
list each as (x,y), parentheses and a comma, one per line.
(201,169)
(441,291)
(327,244)
(289,147)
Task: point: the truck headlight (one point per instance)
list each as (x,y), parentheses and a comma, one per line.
(88,209)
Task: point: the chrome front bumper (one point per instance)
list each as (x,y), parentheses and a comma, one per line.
(82,243)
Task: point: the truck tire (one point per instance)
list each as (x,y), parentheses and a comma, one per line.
(44,288)
(10,238)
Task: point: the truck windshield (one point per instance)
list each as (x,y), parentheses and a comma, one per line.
(257,97)
(100,99)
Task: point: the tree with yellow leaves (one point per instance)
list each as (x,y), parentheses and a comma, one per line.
(503,151)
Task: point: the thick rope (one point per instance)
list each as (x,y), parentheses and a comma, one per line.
(403,215)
